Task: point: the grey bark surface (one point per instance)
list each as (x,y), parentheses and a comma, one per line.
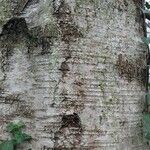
(73,71)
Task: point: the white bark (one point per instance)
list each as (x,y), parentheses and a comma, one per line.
(93,67)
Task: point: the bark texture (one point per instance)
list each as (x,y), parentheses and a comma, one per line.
(73,71)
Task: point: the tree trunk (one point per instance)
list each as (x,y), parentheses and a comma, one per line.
(74,72)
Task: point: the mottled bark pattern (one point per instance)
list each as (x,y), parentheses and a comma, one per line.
(72,70)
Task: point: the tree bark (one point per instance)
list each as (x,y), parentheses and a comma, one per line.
(74,71)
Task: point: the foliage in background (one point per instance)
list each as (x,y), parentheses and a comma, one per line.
(17,136)
(146,116)
(147,5)
(146,12)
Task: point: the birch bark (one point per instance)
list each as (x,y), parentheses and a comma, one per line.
(73,71)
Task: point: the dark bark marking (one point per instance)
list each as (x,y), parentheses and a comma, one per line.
(71,120)
(25,110)
(69,123)
(137,2)
(22,108)
(123,6)
(64,68)
(132,69)
(14,29)
(139,17)
(21,5)
(10,99)
(69,30)
(45,148)
(79,87)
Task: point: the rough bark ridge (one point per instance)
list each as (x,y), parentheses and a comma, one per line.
(72,70)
